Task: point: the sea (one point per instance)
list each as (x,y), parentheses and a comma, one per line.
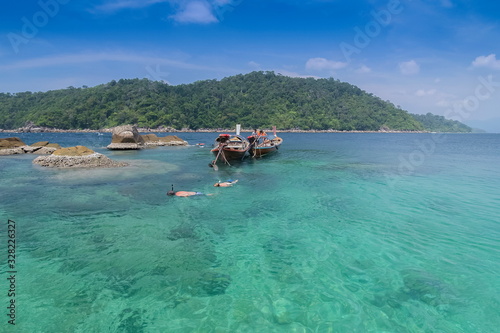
(335,232)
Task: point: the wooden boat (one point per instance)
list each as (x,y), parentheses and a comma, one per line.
(229,147)
(262,144)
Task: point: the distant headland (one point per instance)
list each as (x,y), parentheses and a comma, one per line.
(255,100)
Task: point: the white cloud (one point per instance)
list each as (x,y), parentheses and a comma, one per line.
(443,103)
(363,69)
(253,64)
(447,4)
(186,11)
(222,2)
(126,4)
(91,57)
(422,92)
(489,61)
(409,67)
(322,64)
(196,12)
(294,74)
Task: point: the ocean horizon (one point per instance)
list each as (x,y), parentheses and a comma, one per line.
(336,232)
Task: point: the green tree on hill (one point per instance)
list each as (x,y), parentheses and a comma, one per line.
(257,99)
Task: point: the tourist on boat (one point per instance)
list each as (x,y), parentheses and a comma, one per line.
(226,184)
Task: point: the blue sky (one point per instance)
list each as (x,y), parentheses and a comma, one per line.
(439,56)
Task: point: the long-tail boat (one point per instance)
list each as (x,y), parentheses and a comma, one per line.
(229,147)
(262,144)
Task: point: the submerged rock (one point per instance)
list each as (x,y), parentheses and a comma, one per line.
(126,138)
(212,283)
(77,157)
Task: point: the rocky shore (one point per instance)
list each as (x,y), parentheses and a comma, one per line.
(14,145)
(199,130)
(77,157)
(127,137)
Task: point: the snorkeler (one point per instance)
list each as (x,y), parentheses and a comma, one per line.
(226,184)
(184,193)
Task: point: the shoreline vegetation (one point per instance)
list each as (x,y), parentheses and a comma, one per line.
(200,130)
(187,130)
(255,100)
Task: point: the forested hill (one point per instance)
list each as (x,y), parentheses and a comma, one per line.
(257,99)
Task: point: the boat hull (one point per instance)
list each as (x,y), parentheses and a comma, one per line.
(262,151)
(230,154)
(230,147)
(266,148)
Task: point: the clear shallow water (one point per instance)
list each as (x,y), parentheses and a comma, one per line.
(334,233)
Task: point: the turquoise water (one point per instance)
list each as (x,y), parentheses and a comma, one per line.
(334,233)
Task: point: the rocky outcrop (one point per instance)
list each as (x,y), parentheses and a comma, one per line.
(169,140)
(77,157)
(13,142)
(45,147)
(125,138)
(13,145)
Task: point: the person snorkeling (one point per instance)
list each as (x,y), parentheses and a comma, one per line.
(184,193)
(226,183)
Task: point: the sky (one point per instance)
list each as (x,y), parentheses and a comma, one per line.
(438,56)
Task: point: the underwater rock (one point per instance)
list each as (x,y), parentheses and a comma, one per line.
(419,286)
(183,231)
(426,288)
(131,320)
(126,138)
(213,283)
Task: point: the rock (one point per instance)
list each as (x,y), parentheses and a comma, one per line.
(42,148)
(40,144)
(11,151)
(46,150)
(11,146)
(212,283)
(30,149)
(77,157)
(126,137)
(74,151)
(9,143)
(169,140)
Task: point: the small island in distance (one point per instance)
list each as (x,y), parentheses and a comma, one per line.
(257,100)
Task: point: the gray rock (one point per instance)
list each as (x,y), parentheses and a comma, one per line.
(125,138)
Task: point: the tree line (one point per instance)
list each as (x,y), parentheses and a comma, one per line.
(255,100)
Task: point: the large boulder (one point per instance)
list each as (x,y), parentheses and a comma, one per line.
(169,140)
(9,143)
(77,157)
(11,146)
(126,137)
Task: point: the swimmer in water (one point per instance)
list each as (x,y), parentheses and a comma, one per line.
(226,184)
